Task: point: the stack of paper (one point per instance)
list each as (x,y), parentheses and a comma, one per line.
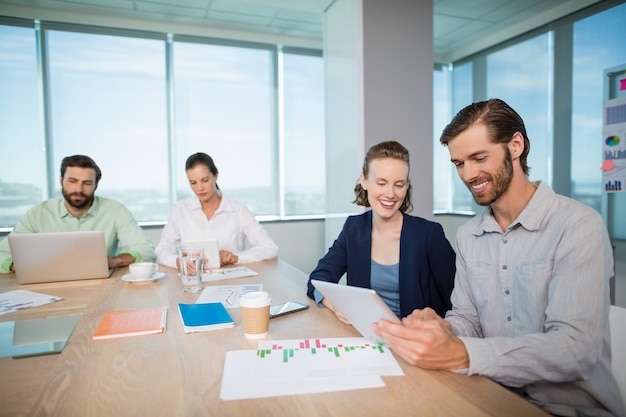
(290,367)
(16,300)
(227,273)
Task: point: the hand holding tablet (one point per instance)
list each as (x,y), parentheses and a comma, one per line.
(361,306)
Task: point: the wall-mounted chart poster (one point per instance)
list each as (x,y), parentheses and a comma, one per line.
(614,145)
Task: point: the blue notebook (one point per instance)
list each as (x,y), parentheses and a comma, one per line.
(204,317)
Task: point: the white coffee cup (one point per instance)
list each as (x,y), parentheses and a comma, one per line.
(143,270)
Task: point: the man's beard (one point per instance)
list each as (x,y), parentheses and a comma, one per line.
(500,182)
(88,199)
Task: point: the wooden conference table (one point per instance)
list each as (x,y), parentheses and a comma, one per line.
(178,374)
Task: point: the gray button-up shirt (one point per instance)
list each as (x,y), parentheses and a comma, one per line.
(531,304)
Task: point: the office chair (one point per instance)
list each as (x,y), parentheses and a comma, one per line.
(617,320)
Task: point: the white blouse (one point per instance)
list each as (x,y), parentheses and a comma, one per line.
(231,225)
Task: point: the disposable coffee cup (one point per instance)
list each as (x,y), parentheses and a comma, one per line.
(255,312)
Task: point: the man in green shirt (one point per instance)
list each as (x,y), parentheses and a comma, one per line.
(80,209)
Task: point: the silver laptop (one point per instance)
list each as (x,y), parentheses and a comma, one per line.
(62,256)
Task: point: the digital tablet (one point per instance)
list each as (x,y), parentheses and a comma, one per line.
(361,306)
(211,251)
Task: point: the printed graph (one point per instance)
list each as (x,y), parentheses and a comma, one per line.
(612,141)
(613,186)
(323,358)
(317,347)
(614,154)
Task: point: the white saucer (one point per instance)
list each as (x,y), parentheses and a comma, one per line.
(153,277)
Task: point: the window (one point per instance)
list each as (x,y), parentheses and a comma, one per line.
(462,95)
(22,170)
(224,107)
(139,103)
(442,177)
(107,100)
(521,75)
(304,135)
(521,72)
(598,45)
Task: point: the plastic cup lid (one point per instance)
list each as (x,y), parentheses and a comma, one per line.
(255,299)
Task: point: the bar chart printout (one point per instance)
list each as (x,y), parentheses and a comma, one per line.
(614,145)
(291,367)
(315,347)
(324,357)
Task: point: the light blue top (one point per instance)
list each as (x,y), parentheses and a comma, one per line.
(386,282)
(121,232)
(531,304)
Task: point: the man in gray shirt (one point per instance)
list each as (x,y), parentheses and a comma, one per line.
(530,305)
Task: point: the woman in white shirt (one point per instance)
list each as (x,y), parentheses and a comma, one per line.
(213,216)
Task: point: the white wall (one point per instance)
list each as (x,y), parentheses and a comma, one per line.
(398,86)
(379,77)
(344,110)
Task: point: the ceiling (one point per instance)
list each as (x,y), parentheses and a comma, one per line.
(460,27)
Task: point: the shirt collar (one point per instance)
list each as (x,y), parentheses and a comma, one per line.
(93,210)
(530,218)
(225,205)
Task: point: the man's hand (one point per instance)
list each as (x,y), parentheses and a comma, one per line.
(424,339)
(120,260)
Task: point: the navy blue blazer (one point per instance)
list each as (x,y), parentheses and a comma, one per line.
(427,262)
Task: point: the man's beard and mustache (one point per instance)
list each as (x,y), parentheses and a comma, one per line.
(500,182)
(85,202)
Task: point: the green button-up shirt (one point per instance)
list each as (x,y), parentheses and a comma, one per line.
(121,232)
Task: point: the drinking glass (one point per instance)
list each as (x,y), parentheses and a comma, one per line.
(191,261)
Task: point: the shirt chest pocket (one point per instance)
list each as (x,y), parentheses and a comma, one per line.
(534,280)
(529,283)
(483,283)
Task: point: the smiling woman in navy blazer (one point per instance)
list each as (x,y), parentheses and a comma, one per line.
(406,259)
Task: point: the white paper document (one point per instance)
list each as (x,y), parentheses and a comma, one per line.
(228,295)
(227,273)
(289,367)
(20,299)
